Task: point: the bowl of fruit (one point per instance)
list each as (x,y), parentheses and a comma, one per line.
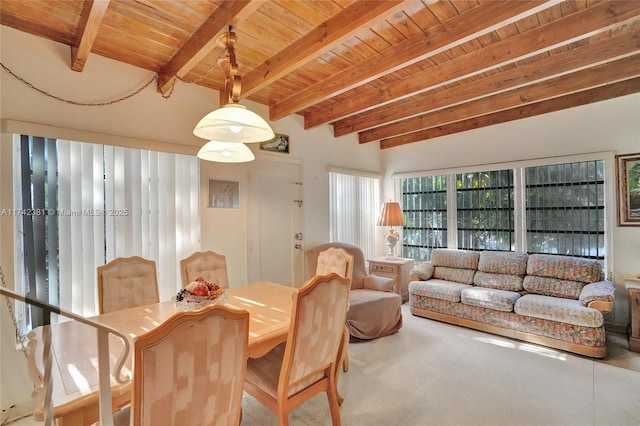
(198,294)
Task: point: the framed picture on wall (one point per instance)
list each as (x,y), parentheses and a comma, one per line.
(628,190)
(224,194)
(280,143)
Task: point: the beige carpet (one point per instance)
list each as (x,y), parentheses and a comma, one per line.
(431,373)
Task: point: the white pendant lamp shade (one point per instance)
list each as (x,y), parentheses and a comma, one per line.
(234,123)
(226,152)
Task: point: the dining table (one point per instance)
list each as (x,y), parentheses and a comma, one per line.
(75,374)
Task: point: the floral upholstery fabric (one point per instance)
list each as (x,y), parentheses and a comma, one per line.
(602,290)
(557,309)
(438,289)
(564,268)
(501,270)
(463,276)
(499,262)
(454,265)
(455,258)
(422,271)
(490,298)
(585,336)
(553,287)
(498,281)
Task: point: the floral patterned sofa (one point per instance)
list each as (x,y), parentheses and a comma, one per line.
(556,301)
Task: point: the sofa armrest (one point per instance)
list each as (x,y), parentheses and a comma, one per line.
(421,272)
(375,282)
(598,295)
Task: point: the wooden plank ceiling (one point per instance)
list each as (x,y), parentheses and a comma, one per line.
(394,72)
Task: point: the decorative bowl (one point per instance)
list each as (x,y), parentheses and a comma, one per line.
(190,302)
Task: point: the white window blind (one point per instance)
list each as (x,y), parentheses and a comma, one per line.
(111,202)
(354,203)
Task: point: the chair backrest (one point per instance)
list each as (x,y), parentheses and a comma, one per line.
(336,260)
(206,264)
(358,269)
(126,282)
(317,323)
(190,370)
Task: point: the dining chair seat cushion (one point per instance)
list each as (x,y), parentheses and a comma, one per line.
(265,371)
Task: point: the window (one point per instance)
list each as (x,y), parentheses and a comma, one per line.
(80,205)
(424,202)
(354,203)
(484,202)
(563,210)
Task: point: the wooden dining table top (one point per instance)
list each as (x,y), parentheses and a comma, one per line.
(74,345)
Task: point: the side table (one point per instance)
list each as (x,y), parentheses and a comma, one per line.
(398,269)
(633,285)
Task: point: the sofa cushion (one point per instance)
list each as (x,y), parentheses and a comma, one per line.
(460,259)
(462,276)
(557,309)
(438,289)
(499,300)
(553,287)
(422,271)
(498,281)
(564,268)
(503,262)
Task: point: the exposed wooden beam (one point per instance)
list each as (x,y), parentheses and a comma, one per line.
(201,43)
(481,20)
(587,55)
(561,31)
(317,42)
(92,14)
(600,75)
(603,93)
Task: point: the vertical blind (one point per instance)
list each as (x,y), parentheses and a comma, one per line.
(354,203)
(91,203)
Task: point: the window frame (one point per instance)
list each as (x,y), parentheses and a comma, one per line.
(520,193)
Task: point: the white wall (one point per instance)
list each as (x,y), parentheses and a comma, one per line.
(612,125)
(146,121)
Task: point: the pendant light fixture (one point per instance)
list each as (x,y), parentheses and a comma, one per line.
(226,152)
(232,123)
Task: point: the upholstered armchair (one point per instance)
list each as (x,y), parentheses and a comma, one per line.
(374,308)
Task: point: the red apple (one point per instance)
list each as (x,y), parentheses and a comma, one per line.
(201,290)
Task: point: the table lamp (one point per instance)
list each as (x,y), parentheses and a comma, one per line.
(391,215)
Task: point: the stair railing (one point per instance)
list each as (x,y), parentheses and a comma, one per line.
(106,407)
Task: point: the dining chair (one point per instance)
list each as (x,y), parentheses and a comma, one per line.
(127,282)
(190,370)
(305,364)
(206,264)
(337,260)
